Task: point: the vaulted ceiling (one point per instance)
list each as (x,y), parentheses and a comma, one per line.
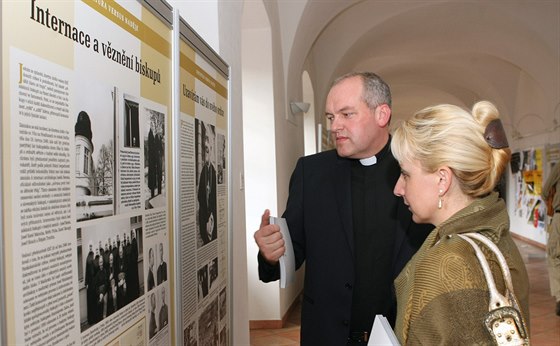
(432,52)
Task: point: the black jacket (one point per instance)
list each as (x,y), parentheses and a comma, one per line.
(319,216)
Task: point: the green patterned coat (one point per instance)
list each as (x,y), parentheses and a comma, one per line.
(442,296)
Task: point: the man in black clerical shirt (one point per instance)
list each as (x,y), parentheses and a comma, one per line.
(90,275)
(152,327)
(151,281)
(162,268)
(345,222)
(207,223)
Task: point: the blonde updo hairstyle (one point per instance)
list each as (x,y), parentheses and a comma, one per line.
(447,135)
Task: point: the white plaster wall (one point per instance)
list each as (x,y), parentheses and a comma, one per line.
(260,166)
(289,14)
(202,16)
(288,132)
(309,125)
(271,146)
(229,22)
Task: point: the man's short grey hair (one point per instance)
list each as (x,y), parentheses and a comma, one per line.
(376,91)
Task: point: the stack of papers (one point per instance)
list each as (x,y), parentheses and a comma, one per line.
(382,333)
(287,261)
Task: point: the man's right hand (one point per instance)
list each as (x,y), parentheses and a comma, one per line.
(269,239)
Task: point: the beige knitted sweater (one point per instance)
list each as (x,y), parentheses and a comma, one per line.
(442,296)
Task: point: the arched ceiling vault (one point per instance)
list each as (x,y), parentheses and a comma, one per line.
(436,51)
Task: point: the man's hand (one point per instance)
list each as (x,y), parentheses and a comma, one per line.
(269,239)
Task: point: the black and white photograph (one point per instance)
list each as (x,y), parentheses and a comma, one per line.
(154,159)
(213,273)
(224,337)
(131,124)
(221,140)
(208,324)
(95,160)
(205,135)
(150,277)
(162,266)
(163,310)
(202,282)
(189,335)
(223,303)
(109,258)
(152,320)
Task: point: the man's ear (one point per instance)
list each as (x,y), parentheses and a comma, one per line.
(383,115)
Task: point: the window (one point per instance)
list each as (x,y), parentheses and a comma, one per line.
(87,155)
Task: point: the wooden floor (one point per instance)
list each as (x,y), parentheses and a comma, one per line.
(545,325)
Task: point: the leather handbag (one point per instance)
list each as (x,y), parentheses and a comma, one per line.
(549,207)
(504,321)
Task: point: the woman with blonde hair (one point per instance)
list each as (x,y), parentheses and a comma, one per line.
(451,161)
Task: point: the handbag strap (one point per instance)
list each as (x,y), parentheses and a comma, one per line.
(496,299)
(504,321)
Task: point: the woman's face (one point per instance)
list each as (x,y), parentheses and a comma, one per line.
(420,191)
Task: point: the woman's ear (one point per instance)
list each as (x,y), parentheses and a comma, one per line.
(445,176)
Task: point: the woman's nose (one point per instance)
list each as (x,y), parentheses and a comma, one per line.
(398,190)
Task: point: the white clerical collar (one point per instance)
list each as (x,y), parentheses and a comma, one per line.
(370,161)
